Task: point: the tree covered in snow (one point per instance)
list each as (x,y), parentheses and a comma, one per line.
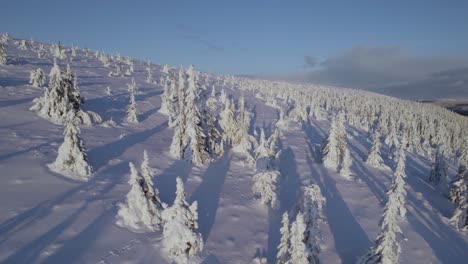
(228,122)
(459,197)
(37,78)
(267,175)
(283,257)
(3,56)
(181,238)
(72,160)
(312,204)
(439,175)
(58,51)
(298,249)
(149,78)
(386,249)
(196,150)
(132,109)
(142,208)
(374,159)
(345,169)
(23,45)
(150,191)
(166,97)
(334,146)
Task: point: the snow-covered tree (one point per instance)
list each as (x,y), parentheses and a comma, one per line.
(72,160)
(345,169)
(181,238)
(149,78)
(23,45)
(142,209)
(132,109)
(283,257)
(3,56)
(166,97)
(265,186)
(37,78)
(439,175)
(312,204)
(332,151)
(374,159)
(386,249)
(459,197)
(298,249)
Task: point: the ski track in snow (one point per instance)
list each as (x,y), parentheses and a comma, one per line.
(46,218)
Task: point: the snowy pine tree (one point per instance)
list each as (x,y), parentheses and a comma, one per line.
(312,204)
(72,160)
(332,151)
(3,56)
(374,159)
(439,175)
(459,197)
(139,212)
(132,109)
(283,257)
(37,78)
(386,249)
(345,170)
(181,238)
(298,250)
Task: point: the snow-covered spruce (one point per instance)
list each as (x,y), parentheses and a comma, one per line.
(386,249)
(283,257)
(459,197)
(141,210)
(374,159)
(345,169)
(37,78)
(267,175)
(312,204)
(61,97)
(196,150)
(23,45)
(132,109)
(3,56)
(181,238)
(439,176)
(298,249)
(72,160)
(166,96)
(334,146)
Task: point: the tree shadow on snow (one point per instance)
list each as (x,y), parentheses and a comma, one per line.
(208,193)
(101,155)
(8,103)
(101,184)
(167,179)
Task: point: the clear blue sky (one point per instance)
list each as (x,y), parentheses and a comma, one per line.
(242,37)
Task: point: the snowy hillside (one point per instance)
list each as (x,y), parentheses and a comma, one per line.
(283,149)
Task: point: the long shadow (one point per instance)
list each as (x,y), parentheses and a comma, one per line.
(15,102)
(43,209)
(101,155)
(15,125)
(351,240)
(142,97)
(446,243)
(75,247)
(6,81)
(376,186)
(145,116)
(32,250)
(16,153)
(208,194)
(289,189)
(211,259)
(253,120)
(179,168)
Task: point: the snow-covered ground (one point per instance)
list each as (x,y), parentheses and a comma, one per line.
(48,218)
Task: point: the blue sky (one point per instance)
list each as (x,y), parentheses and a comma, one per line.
(281,38)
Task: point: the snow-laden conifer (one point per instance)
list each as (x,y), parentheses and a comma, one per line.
(439,176)
(312,204)
(72,160)
(140,211)
(386,249)
(345,169)
(332,151)
(459,197)
(37,78)
(23,45)
(3,56)
(283,257)
(298,249)
(374,159)
(132,109)
(180,223)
